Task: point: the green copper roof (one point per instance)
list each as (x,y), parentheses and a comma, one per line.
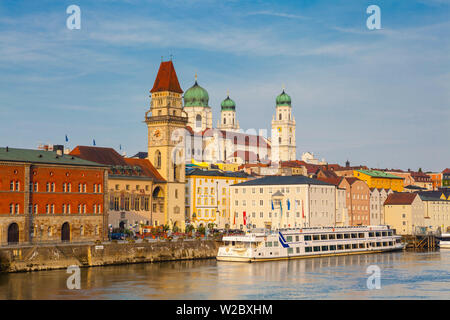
(283,99)
(40,156)
(379,174)
(228,104)
(196,96)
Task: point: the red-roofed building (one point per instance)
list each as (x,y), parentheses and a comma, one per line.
(404,212)
(135,189)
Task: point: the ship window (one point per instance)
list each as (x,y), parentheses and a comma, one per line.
(316,237)
(297,238)
(268,244)
(378,234)
(275,243)
(307,238)
(361,235)
(385,244)
(347,246)
(371,234)
(308,249)
(332,247)
(324,248)
(324,237)
(362,246)
(290,250)
(354,246)
(332,236)
(317,248)
(378,244)
(340,247)
(339,236)
(297,250)
(354,235)
(390,243)
(346,236)
(384,233)
(390,233)
(289,238)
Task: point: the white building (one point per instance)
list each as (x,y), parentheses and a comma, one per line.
(285,201)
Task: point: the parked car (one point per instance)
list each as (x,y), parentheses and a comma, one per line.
(117,236)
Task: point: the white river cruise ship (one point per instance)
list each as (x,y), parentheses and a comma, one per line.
(265,245)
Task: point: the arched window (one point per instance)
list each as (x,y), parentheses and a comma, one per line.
(65,232)
(13,233)
(198,121)
(158,159)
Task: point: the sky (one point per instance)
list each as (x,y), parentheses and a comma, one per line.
(378,97)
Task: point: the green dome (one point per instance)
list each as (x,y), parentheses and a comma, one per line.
(228,104)
(196,96)
(283,99)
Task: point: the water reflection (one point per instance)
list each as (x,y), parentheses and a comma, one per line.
(403,275)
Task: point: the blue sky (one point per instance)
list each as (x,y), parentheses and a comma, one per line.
(375,97)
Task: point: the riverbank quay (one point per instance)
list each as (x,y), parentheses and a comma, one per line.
(26,258)
(429,241)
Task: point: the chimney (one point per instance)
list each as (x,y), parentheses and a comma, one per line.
(7,149)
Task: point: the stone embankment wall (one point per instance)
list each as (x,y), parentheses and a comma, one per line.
(58,256)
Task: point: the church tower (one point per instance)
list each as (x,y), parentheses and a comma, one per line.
(228,115)
(283,130)
(166,122)
(199,113)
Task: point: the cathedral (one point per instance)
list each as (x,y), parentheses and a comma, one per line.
(226,143)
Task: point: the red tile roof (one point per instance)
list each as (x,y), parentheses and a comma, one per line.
(446,171)
(107,156)
(332,180)
(147,168)
(401,198)
(166,79)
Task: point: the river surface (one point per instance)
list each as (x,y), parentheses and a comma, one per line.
(403,275)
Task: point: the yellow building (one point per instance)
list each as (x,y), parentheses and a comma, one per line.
(379,179)
(228,166)
(208,194)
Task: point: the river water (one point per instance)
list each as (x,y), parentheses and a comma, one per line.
(403,275)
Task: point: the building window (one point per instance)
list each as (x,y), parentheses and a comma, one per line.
(158,159)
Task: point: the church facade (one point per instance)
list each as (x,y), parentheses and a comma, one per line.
(228,143)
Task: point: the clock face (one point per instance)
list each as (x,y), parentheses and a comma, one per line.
(157,135)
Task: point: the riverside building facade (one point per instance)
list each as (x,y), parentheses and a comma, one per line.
(284,202)
(46,196)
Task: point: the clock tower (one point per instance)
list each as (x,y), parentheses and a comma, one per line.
(283,130)
(166,122)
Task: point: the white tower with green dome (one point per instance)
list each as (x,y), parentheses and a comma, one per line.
(283,130)
(228,119)
(196,106)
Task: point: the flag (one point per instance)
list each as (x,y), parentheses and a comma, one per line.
(245,218)
(288,204)
(272,206)
(93,142)
(67,139)
(303,210)
(234,219)
(120,147)
(281,208)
